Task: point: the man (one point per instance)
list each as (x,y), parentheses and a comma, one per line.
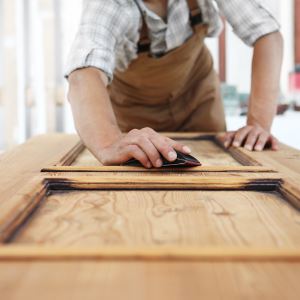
(142,67)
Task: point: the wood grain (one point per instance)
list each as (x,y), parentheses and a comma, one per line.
(142,171)
(206,151)
(177,240)
(20,165)
(140,218)
(261,181)
(17,252)
(149,281)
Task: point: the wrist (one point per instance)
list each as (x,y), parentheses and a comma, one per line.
(110,137)
(260,114)
(266,125)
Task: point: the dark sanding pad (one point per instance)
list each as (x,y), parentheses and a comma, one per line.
(183,160)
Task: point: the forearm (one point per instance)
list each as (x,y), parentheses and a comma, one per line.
(266,69)
(92,111)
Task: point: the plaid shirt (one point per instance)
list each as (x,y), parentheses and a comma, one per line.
(110,29)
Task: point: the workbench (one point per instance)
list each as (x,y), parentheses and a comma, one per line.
(71,228)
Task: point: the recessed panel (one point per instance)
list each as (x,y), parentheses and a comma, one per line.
(154,218)
(206,151)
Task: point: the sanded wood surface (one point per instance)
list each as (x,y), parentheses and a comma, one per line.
(165,170)
(27,252)
(19,166)
(206,151)
(155,280)
(72,234)
(204,218)
(260,181)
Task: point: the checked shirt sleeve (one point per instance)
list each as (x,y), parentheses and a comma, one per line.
(101,28)
(250,19)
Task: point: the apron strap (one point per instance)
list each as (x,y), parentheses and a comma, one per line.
(195,13)
(195,19)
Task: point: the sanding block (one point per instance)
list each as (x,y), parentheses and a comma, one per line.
(183,160)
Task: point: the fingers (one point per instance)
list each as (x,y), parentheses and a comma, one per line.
(149,149)
(137,153)
(226,139)
(240,136)
(120,153)
(153,145)
(274,143)
(179,146)
(165,145)
(261,141)
(252,138)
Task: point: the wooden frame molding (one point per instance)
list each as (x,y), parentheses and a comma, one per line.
(248,163)
(252,169)
(24,188)
(41,187)
(243,182)
(159,253)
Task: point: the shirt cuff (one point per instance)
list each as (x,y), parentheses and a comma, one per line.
(101,59)
(260,32)
(259,28)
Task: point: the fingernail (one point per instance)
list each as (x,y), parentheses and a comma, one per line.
(226,144)
(248,147)
(258,148)
(236,144)
(186,149)
(172,155)
(158,163)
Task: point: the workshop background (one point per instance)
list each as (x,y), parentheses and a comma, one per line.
(35,38)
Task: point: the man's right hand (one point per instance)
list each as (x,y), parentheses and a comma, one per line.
(145,145)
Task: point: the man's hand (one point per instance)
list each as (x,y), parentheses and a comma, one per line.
(144,145)
(266,67)
(251,137)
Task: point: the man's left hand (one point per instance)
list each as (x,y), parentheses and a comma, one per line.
(251,137)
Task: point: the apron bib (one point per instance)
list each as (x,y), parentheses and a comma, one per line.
(179,91)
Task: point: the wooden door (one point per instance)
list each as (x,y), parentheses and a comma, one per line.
(228,229)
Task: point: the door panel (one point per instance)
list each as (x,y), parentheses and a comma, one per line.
(232,224)
(141,218)
(206,151)
(115,280)
(206,148)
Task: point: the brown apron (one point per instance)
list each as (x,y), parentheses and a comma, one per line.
(179,91)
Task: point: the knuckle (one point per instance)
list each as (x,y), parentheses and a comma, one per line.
(132,149)
(167,140)
(166,148)
(133,132)
(263,138)
(177,145)
(257,131)
(148,130)
(139,139)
